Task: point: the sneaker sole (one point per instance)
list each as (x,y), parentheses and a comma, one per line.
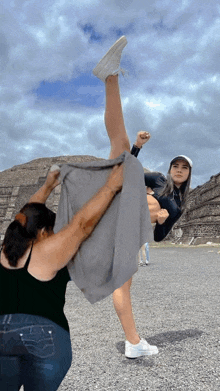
(120,43)
(143,353)
(139,355)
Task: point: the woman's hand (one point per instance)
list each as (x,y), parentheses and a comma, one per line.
(142,138)
(162,215)
(115,179)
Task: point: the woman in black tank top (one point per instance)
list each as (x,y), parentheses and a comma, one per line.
(35,347)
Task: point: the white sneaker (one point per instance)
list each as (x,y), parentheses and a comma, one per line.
(109,64)
(141,349)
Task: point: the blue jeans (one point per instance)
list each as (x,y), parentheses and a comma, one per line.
(147,252)
(34,352)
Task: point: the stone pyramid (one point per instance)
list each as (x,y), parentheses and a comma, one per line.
(18,183)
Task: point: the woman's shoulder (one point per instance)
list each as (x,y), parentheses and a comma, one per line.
(154,179)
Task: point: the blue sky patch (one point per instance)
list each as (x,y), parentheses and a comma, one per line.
(85,90)
(90,30)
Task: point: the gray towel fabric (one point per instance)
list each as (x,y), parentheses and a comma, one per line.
(108,258)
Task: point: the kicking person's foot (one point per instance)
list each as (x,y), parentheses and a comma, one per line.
(141,349)
(109,64)
(55,167)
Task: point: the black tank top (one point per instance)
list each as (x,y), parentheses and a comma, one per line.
(21,293)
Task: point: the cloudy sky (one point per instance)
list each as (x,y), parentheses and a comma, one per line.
(52,105)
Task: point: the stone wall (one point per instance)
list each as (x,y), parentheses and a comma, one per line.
(200,223)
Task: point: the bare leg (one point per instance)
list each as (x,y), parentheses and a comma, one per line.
(114,120)
(123,307)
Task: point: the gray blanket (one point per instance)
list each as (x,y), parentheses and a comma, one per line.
(108,258)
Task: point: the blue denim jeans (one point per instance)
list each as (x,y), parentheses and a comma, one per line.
(34,352)
(147,252)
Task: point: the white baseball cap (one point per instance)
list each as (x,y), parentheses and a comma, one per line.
(182,157)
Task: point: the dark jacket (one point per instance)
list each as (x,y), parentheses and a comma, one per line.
(172,203)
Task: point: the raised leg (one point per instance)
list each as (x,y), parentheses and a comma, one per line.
(123,307)
(114,120)
(106,71)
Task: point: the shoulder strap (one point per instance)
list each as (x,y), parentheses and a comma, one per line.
(29,258)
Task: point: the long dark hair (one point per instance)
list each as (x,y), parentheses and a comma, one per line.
(184,188)
(20,234)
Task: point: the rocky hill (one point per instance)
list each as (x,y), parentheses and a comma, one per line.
(200,223)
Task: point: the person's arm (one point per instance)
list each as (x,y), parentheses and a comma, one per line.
(141,139)
(154,180)
(43,193)
(56,251)
(162,230)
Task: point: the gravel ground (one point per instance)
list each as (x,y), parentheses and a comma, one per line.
(176,305)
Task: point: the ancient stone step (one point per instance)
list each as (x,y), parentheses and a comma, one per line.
(5,191)
(3,211)
(4,200)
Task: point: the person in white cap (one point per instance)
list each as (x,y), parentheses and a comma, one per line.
(108,70)
(166,196)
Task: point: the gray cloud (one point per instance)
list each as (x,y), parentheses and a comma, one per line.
(172,89)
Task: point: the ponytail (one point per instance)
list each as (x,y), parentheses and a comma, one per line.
(24,230)
(16,242)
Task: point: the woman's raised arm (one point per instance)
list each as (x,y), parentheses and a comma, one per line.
(141,139)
